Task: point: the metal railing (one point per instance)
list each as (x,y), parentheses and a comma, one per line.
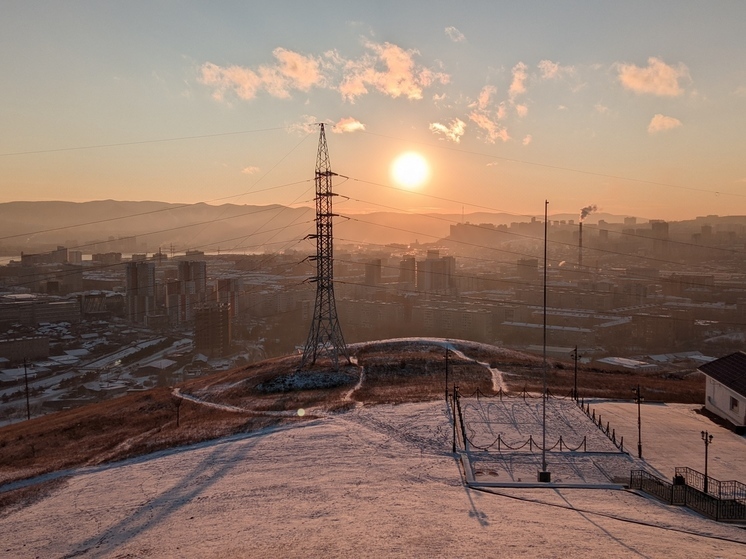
(723,501)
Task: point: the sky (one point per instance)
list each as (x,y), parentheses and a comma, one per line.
(635,107)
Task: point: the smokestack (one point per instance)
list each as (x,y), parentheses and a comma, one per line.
(580,246)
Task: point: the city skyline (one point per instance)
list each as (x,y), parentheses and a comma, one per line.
(635,108)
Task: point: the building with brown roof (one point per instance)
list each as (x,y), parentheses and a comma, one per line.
(726,388)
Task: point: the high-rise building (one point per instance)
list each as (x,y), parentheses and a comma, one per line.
(187,291)
(229,293)
(435,273)
(212,329)
(408,273)
(140,277)
(373,272)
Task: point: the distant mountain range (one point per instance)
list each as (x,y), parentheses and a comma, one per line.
(127,227)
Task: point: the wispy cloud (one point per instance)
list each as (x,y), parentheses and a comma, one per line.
(483,100)
(452,131)
(522,110)
(552,70)
(455,35)
(601,109)
(308,124)
(348,124)
(660,123)
(386,68)
(250,170)
(657,78)
(292,71)
(390,70)
(527,139)
(518,85)
(493,130)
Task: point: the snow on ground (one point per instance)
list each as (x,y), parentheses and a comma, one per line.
(499,430)
(671,437)
(373,482)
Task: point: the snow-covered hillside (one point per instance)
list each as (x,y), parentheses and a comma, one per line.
(372,482)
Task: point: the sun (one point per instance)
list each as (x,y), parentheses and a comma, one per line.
(410,170)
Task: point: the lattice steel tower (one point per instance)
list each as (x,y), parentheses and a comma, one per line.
(325,336)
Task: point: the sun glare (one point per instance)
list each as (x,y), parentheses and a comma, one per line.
(410,170)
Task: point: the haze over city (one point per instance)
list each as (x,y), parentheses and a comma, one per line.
(634,107)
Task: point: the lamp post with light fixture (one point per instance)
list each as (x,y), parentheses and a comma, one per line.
(638,399)
(707,438)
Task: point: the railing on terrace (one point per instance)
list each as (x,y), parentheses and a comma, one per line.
(723,501)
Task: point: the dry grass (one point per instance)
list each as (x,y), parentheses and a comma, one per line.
(416,373)
(395,372)
(109,431)
(685,388)
(11,501)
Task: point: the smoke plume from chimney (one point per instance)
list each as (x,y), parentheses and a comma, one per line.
(587,210)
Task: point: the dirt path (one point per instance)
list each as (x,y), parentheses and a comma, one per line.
(497,377)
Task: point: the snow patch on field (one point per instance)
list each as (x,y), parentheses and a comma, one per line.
(373,482)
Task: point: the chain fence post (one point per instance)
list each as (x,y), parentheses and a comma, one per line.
(453,414)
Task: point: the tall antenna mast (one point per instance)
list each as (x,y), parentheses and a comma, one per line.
(325,336)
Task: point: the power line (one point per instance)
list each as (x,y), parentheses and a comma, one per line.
(461,202)
(555,167)
(150,212)
(140,142)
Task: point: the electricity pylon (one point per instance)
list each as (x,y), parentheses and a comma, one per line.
(325,336)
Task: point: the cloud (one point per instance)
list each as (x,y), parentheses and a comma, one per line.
(658,78)
(601,109)
(552,70)
(390,70)
(250,170)
(518,85)
(453,131)
(740,91)
(527,139)
(493,130)
(522,110)
(348,124)
(660,123)
(485,95)
(501,111)
(307,125)
(292,71)
(455,35)
(242,81)
(385,67)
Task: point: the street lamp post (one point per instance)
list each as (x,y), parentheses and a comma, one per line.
(446,375)
(638,399)
(707,438)
(28,404)
(544,476)
(574,355)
